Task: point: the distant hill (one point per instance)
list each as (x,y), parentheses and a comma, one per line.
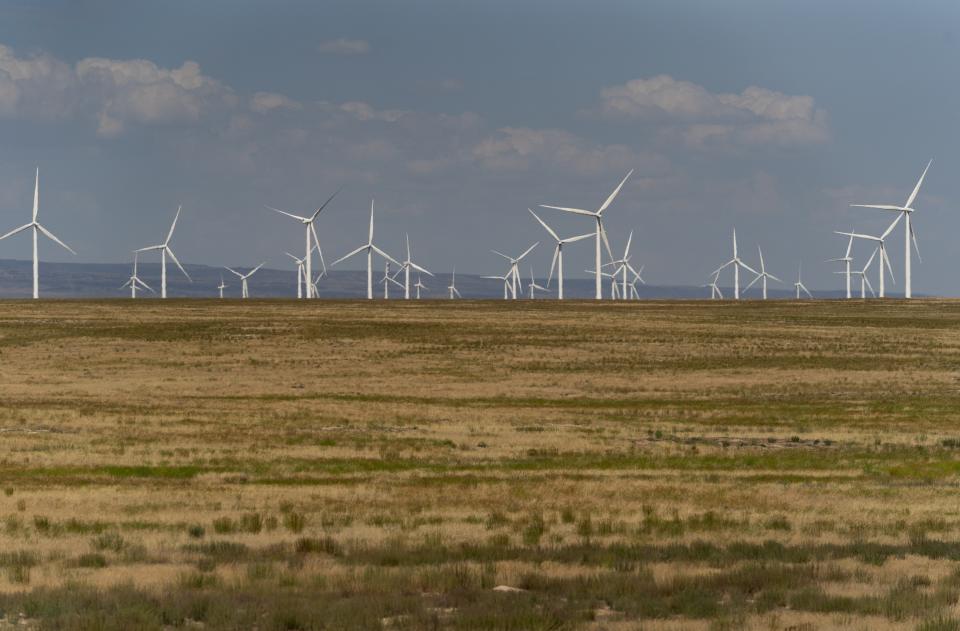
(103,280)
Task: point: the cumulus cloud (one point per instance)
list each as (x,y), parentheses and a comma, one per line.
(754,116)
(365,112)
(112,92)
(345,46)
(263,102)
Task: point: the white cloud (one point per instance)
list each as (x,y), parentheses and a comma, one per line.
(111,92)
(263,102)
(345,46)
(365,112)
(754,116)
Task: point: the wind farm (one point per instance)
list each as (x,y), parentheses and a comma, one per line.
(476,316)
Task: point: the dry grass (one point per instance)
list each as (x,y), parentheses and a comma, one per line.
(661,465)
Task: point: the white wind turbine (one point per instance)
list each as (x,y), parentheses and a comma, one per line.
(420,286)
(221,286)
(534,287)
(558,253)
(387,279)
(908,233)
(599,234)
(514,272)
(134,281)
(452,287)
(762,275)
(302,277)
(737,264)
(634,294)
(37,228)
(310,230)
(864,281)
(799,284)
(505,279)
(715,292)
(406,266)
(847,260)
(624,266)
(884,259)
(245,293)
(164,251)
(370,249)
(614,285)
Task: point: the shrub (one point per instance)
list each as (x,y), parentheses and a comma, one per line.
(294,522)
(196,531)
(251,522)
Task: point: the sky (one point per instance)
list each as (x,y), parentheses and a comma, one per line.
(765,116)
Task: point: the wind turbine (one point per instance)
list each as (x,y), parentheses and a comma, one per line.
(134,281)
(387,279)
(864,281)
(884,259)
(405,266)
(420,286)
(614,286)
(221,286)
(737,264)
(714,288)
(452,287)
(164,251)
(37,228)
(534,286)
(600,234)
(505,279)
(243,278)
(623,267)
(302,276)
(558,253)
(847,260)
(762,274)
(799,284)
(310,230)
(634,294)
(370,249)
(908,234)
(515,270)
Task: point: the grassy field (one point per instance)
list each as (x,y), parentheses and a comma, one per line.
(480,465)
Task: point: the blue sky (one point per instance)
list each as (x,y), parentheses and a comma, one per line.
(456,116)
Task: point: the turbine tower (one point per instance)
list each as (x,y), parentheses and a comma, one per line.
(864,281)
(37,228)
(534,287)
(623,266)
(420,286)
(164,251)
(908,233)
(370,248)
(311,231)
(737,264)
(799,284)
(452,287)
(221,286)
(763,274)
(600,234)
(505,279)
(715,292)
(406,266)
(387,279)
(245,293)
(302,278)
(134,281)
(558,253)
(847,260)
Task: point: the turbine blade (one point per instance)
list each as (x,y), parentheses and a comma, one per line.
(283,212)
(385,255)
(553,263)
(546,227)
(36,195)
(916,189)
(578,238)
(343,258)
(15,231)
(576,211)
(878,206)
(420,269)
(316,243)
(174,257)
(527,251)
(913,237)
(758,277)
(50,236)
(502,254)
(891,227)
(230,269)
(615,192)
(173,225)
(329,199)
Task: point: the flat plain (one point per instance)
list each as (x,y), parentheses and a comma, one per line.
(480,465)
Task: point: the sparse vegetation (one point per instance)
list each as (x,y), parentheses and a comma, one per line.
(345,465)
